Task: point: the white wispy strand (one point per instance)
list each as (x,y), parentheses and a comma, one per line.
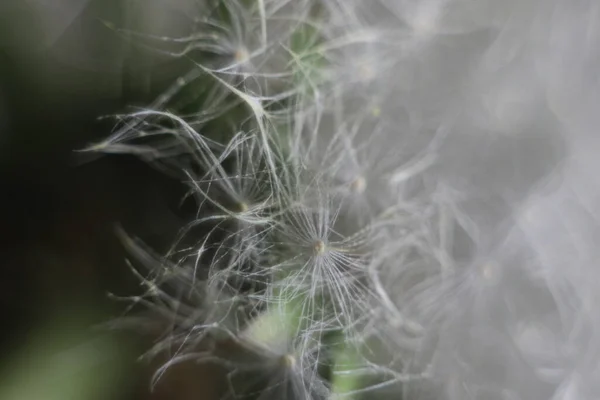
(414,181)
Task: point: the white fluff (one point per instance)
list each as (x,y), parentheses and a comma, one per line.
(432,188)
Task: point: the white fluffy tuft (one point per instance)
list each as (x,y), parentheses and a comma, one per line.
(417,178)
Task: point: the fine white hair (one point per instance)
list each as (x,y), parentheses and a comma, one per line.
(417,177)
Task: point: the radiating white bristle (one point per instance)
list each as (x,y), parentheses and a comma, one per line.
(417,176)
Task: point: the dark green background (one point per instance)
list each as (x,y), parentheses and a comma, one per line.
(61,68)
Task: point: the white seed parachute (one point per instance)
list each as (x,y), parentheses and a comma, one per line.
(412,181)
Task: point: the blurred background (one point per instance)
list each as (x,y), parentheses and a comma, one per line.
(62,66)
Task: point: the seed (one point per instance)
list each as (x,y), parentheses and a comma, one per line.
(288,361)
(241,55)
(358,185)
(242,207)
(319,247)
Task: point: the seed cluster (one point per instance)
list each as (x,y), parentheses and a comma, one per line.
(360,172)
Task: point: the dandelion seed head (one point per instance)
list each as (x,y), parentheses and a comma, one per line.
(358,185)
(367,190)
(242,207)
(488,271)
(288,361)
(241,55)
(319,247)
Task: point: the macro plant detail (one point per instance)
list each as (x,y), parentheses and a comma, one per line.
(369,221)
